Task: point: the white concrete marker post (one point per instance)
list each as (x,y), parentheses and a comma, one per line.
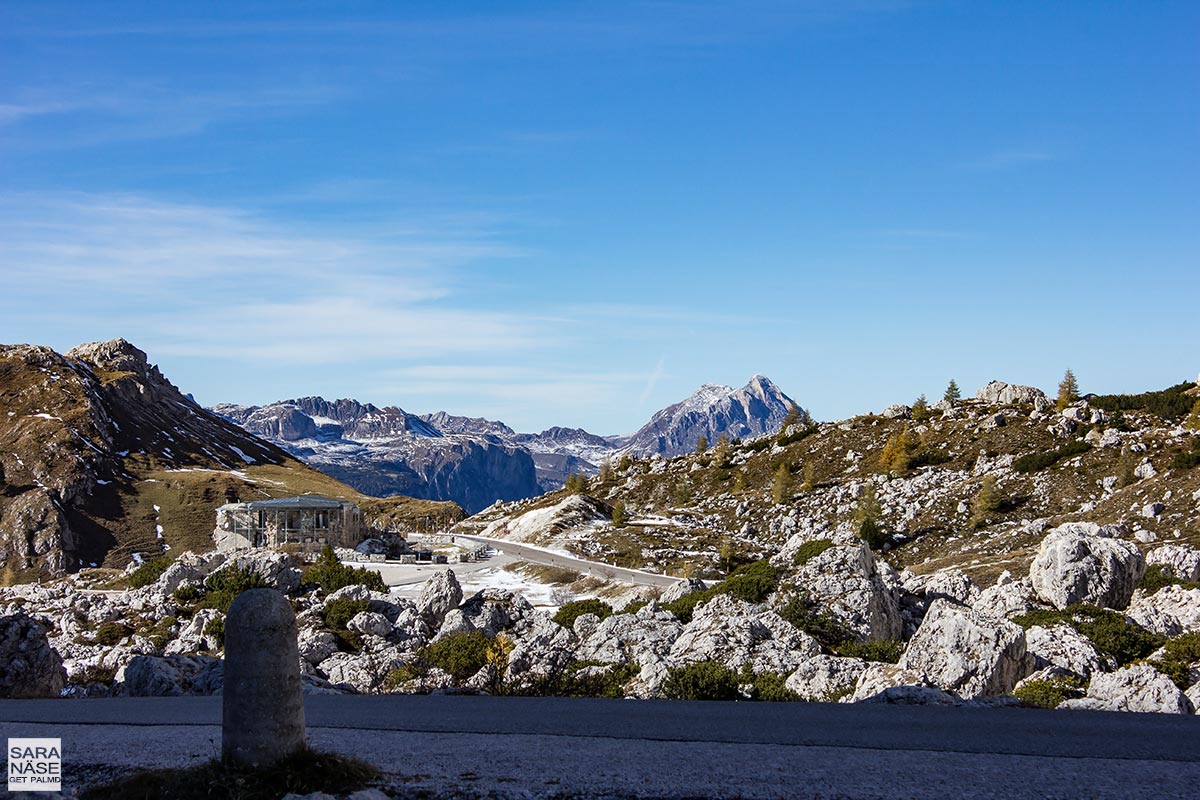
(262,719)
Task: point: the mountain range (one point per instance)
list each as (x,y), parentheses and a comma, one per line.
(474,461)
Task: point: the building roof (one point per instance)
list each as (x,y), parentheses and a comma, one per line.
(296,503)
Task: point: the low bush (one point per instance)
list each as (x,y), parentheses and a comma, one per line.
(634,606)
(1110,632)
(161,633)
(1179,654)
(753,582)
(223,587)
(815,621)
(1034,462)
(187,593)
(579,679)
(460,655)
(1188,458)
(1157,577)
(887,651)
(1049,693)
(685,607)
(1171,404)
(149,571)
(706,680)
(810,550)
(331,574)
(340,610)
(111,633)
(569,612)
(771,687)
(215,628)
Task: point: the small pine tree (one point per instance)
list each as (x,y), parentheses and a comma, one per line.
(867,514)
(583,483)
(986,502)
(1127,468)
(792,418)
(606,472)
(810,477)
(626,462)
(619,517)
(702,445)
(952,395)
(920,409)
(739,482)
(783,480)
(1193,420)
(722,454)
(572,484)
(683,493)
(1068,390)
(726,555)
(899,452)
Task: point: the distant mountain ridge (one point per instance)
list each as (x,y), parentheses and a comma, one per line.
(475,461)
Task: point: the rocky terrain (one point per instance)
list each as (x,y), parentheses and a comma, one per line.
(823,620)
(474,461)
(103,460)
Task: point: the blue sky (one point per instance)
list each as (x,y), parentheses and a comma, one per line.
(576,213)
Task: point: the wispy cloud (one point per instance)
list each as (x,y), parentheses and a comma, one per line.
(652,381)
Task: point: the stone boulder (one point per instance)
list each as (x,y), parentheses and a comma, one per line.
(1003,394)
(847,582)
(366,671)
(315,645)
(878,678)
(1064,647)
(495,611)
(1082,563)
(541,650)
(825,678)
(173,676)
(682,589)
(370,623)
(1179,560)
(29,666)
(1171,610)
(276,569)
(638,638)
(440,594)
(965,652)
(1005,600)
(738,634)
(192,637)
(1139,687)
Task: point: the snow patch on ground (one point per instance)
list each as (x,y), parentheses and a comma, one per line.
(244,457)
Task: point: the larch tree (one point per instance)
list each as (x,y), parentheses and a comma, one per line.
(1068,390)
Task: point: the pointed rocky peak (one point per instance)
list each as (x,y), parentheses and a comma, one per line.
(114,355)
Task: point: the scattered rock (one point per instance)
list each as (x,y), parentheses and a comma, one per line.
(1079,563)
(963,651)
(1135,688)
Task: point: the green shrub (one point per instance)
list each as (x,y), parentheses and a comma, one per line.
(873,534)
(1189,458)
(685,607)
(753,582)
(331,574)
(1157,577)
(161,632)
(815,621)
(215,628)
(810,550)
(1110,632)
(223,587)
(569,612)
(1034,462)
(887,651)
(340,610)
(187,593)
(459,655)
(634,606)
(148,572)
(572,681)
(111,633)
(931,458)
(1171,404)
(1049,693)
(771,687)
(706,680)
(1177,659)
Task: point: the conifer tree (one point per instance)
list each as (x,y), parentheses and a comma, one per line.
(605,472)
(1127,468)
(810,477)
(1193,420)
(985,503)
(920,409)
(783,480)
(867,513)
(626,462)
(619,518)
(739,482)
(952,395)
(899,452)
(1068,390)
(701,445)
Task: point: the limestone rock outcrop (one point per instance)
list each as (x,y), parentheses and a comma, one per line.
(1083,563)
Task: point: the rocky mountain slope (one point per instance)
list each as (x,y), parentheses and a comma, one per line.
(387,451)
(101,457)
(1127,466)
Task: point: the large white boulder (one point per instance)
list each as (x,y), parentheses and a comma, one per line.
(440,594)
(1171,610)
(29,666)
(965,652)
(1064,647)
(1001,393)
(1180,560)
(1139,687)
(825,678)
(738,634)
(1082,563)
(847,582)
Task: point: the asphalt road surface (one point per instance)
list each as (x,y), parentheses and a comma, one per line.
(446,746)
(595,568)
